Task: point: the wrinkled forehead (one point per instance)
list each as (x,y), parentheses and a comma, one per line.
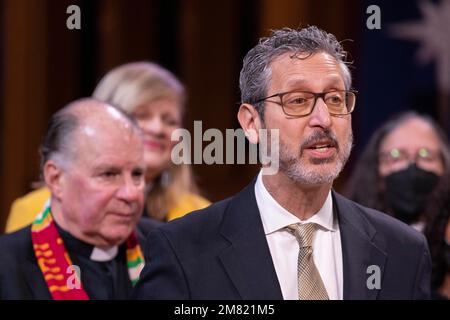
(108,119)
(296,68)
(119,139)
(290,58)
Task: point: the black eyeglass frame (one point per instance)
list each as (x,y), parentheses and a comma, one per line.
(316,96)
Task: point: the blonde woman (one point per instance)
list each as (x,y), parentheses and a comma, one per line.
(156,99)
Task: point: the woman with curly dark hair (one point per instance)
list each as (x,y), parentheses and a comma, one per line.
(405,165)
(405,172)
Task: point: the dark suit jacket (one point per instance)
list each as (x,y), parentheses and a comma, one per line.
(221,252)
(20,276)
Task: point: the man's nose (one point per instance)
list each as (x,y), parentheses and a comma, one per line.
(320,116)
(131,189)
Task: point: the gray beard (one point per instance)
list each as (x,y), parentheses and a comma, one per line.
(296,170)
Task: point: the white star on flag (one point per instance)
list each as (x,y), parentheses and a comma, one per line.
(433,34)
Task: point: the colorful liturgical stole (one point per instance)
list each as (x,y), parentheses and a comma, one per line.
(57,267)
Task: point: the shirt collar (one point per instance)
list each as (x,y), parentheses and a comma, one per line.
(77,246)
(274,217)
(99,254)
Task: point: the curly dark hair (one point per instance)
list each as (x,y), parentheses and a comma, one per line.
(435,234)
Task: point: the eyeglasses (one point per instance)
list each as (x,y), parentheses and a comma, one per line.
(301,103)
(401,158)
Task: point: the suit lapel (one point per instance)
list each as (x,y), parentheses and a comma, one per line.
(249,264)
(358,250)
(247,260)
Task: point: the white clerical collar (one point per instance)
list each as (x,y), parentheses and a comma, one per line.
(274,217)
(101,255)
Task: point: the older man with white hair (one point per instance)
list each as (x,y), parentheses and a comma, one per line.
(86,244)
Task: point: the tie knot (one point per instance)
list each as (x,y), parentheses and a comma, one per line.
(303,232)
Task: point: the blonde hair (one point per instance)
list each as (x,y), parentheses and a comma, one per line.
(128,86)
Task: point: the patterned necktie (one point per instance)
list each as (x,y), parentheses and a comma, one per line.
(310,284)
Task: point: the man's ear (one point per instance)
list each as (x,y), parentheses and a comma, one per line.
(53,176)
(250,122)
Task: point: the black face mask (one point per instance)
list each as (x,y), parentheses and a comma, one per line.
(407,191)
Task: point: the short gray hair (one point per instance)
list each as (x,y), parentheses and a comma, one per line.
(57,139)
(58,142)
(255,73)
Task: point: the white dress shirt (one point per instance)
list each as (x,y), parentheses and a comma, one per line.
(284,247)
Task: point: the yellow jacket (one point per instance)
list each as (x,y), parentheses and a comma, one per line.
(24,209)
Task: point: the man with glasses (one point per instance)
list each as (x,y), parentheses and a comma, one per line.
(289,235)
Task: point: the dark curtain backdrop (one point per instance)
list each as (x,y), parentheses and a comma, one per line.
(44,66)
